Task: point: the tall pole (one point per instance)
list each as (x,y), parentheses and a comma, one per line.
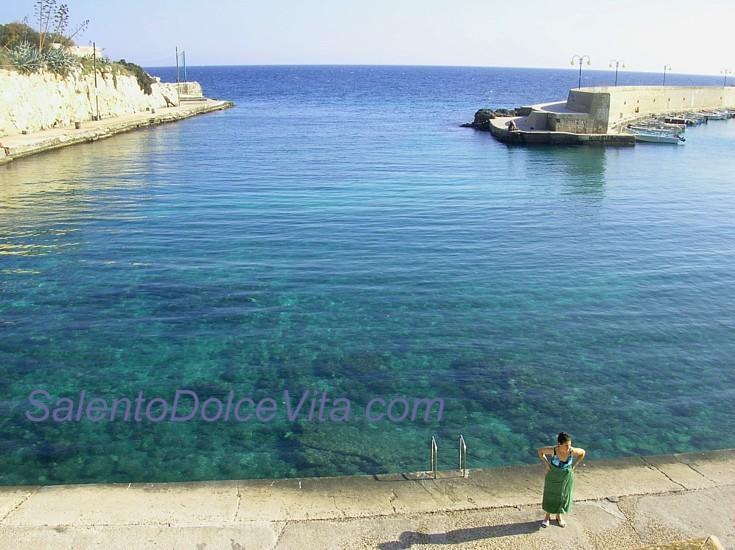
(580,59)
(725,72)
(183,54)
(579,84)
(618,63)
(94,65)
(177,70)
(666,68)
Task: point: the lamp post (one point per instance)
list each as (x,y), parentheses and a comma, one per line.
(580,59)
(666,68)
(725,72)
(618,63)
(181,54)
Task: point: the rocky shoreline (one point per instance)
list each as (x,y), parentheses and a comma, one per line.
(484,116)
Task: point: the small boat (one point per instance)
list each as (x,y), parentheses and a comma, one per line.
(681,120)
(667,126)
(673,129)
(653,136)
(717,115)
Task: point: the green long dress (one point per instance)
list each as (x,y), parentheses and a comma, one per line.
(558,490)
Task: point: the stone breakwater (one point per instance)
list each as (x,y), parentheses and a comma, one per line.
(13,147)
(34,102)
(598,115)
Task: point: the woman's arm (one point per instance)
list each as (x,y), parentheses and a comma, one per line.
(580,457)
(542,452)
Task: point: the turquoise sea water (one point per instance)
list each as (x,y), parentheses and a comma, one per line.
(339,232)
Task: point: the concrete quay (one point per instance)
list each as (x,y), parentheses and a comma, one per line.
(528,135)
(623,503)
(21,145)
(600,115)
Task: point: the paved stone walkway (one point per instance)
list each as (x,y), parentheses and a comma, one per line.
(20,145)
(627,503)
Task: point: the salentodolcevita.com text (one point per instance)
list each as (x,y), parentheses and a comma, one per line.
(186,405)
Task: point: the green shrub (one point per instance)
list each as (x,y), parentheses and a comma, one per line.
(13,34)
(88,63)
(144,79)
(25,57)
(60,61)
(5,61)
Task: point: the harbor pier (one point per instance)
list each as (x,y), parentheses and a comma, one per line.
(632,502)
(22,145)
(599,115)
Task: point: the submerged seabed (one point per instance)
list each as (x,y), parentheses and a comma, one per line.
(338,232)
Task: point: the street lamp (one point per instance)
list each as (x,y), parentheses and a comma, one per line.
(666,68)
(580,59)
(618,63)
(725,72)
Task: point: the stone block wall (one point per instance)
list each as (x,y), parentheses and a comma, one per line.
(609,107)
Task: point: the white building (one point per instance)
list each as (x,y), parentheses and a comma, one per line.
(82,51)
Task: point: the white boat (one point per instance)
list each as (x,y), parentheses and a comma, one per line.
(653,136)
(713,115)
(719,115)
(663,128)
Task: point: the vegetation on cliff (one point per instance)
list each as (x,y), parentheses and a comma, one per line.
(12,34)
(47,47)
(144,79)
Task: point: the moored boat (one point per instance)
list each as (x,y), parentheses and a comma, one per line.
(653,136)
(673,129)
(712,115)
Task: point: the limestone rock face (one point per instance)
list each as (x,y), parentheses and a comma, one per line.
(38,101)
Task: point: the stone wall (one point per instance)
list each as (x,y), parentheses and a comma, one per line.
(610,107)
(38,101)
(597,107)
(575,119)
(574,123)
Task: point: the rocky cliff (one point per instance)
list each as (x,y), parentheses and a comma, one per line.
(38,101)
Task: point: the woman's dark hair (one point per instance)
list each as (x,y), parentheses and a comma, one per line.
(563,437)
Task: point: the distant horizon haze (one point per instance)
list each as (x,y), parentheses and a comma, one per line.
(466,33)
(730,77)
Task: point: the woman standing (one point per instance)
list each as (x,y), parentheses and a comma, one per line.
(559,483)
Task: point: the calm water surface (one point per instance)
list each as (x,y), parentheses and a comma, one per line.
(337,231)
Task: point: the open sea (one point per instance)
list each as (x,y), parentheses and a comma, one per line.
(338,233)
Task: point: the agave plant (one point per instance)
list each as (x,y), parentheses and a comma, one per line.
(59,60)
(25,57)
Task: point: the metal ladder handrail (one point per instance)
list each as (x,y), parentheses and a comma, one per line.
(463,456)
(434,457)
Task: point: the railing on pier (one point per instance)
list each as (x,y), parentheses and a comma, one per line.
(434,457)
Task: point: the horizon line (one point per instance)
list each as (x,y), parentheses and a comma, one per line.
(606,69)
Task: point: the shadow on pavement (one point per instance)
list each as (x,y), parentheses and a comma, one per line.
(409,538)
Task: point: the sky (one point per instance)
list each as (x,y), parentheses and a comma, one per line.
(692,37)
